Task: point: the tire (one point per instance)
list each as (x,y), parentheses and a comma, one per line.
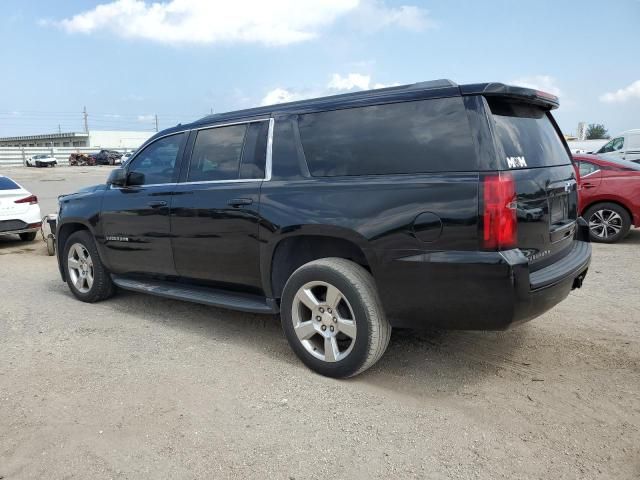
(608,222)
(95,285)
(359,314)
(28,236)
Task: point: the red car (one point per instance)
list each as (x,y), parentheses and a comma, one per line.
(609,196)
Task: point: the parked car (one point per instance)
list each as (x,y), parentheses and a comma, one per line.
(47,160)
(126,156)
(609,196)
(19,210)
(106,157)
(81,160)
(348,215)
(625,146)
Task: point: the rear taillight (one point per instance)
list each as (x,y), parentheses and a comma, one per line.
(31,200)
(500,227)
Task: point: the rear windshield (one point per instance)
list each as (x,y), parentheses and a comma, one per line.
(7,184)
(528,137)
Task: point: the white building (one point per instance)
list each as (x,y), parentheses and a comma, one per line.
(94,139)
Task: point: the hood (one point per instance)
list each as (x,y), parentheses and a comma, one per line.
(89,189)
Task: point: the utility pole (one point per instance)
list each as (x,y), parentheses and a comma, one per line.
(156,116)
(59,129)
(85,117)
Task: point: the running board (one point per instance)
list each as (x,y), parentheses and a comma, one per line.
(243,302)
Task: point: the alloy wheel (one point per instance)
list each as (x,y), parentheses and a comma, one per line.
(324,321)
(605,223)
(80,267)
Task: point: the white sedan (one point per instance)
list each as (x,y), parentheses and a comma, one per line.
(45,160)
(19,211)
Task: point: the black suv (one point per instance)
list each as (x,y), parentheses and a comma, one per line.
(426,205)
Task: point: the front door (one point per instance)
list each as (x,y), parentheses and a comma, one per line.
(135,218)
(215,210)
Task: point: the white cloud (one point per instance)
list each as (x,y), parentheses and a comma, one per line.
(624,94)
(545,83)
(337,83)
(146,118)
(282,95)
(277,22)
(349,81)
(374,15)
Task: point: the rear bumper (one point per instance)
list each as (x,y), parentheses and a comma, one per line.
(477,290)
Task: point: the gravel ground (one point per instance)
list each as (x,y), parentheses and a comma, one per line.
(143,387)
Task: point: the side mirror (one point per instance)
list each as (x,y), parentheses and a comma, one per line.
(135,178)
(117,178)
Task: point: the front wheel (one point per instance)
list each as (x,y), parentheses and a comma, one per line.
(86,276)
(333,318)
(608,222)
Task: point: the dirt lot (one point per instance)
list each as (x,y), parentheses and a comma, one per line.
(142,387)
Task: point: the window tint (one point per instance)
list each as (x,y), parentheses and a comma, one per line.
(7,184)
(158,161)
(254,154)
(409,137)
(526,133)
(216,154)
(586,168)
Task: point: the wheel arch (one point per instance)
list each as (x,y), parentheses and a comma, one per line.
(292,251)
(63,232)
(615,200)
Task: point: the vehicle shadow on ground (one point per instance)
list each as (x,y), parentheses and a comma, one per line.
(11,244)
(435,360)
(633,238)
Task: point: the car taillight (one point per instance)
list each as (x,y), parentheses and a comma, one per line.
(500,227)
(31,200)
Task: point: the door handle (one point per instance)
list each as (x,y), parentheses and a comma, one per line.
(588,185)
(239,202)
(157,204)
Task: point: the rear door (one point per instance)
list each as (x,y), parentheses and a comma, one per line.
(531,150)
(215,209)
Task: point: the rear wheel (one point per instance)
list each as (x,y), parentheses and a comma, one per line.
(333,318)
(87,278)
(608,222)
(28,236)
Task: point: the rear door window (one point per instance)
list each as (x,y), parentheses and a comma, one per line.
(8,184)
(216,154)
(410,137)
(587,168)
(527,135)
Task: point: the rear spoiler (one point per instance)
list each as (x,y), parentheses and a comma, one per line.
(527,95)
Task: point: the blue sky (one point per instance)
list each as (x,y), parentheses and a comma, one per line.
(127,60)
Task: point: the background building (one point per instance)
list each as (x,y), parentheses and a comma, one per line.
(92,139)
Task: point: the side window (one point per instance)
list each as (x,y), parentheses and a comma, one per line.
(586,168)
(612,145)
(410,137)
(254,154)
(216,154)
(157,162)
(618,143)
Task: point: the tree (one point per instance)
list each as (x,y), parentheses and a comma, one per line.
(596,131)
